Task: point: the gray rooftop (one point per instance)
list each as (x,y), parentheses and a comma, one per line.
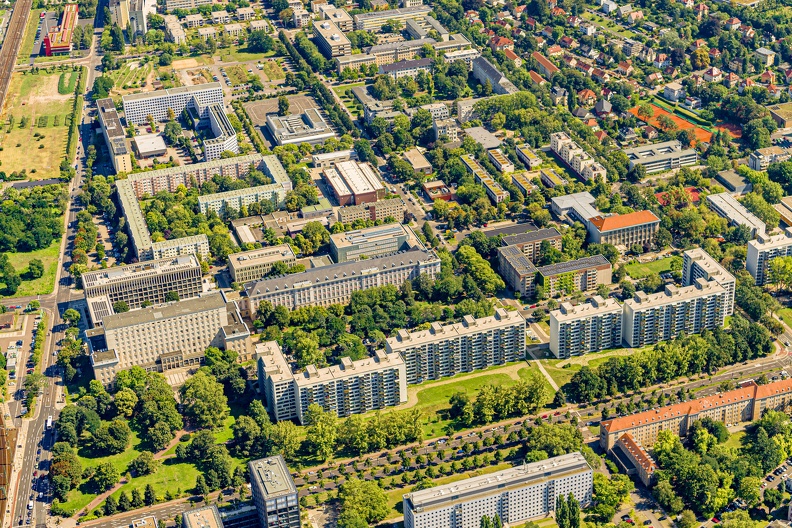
(157,313)
(483,137)
(517,259)
(406,65)
(272,476)
(574,265)
(531,236)
(174,91)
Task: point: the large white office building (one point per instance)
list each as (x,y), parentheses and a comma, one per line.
(515,495)
(587,327)
(353,387)
(142,282)
(652,318)
(764,249)
(137,107)
(161,338)
(697,263)
(225,137)
(736,213)
(335,284)
(452,349)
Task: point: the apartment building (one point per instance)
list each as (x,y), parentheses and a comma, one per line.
(380,210)
(652,318)
(662,156)
(588,327)
(274,493)
(501,162)
(252,265)
(372,242)
(639,227)
(161,338)
(522,180)
(177,247)
(448,350)
(225,136)
(407,68)
(576,158)
(515,495)
(764,249)
(495,192)
(137,107)
(221,202)
(374,20)
(203,517)
(308,127)
(334,284)
(583,274)
(132,14)
(517,270)
(339,17)
(528,156)
(760,159)
(465,55)
(697,263)
(736,213)
(530,243)
(114,135)
(142,282)
(170,5)
(634,459)
(744,404)
(331,40)
(445,128)
(483,70)
(173,30)
(353,387)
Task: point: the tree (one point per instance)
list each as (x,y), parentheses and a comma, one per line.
(120,307)
(136,500)
(102,86)
(144,464)
(573,511)
(259,41)
(749,491)
(699,59)
(35,269)
(687,519)
(171,296)
(645,111)
(172,133)
(479,270)
(283,105)
(285,438)
(112,437)
(110,506)
(773,498)
(149,497)
(364,499)
(204,401)
(561,512)
(200,486)
(71,316)
(666,123)
(125,401)
(322,432)
(105,476)
(117,36)
(160,435)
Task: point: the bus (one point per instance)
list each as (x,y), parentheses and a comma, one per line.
(49,422)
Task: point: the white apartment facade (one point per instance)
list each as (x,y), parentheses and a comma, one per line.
(220,202)
(470,345)
(652,318)
(515,494)
(335,284)
(697,263)
(137,107)
(588,327)
(353,387)
(764,249)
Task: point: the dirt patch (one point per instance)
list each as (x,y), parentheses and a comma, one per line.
(184,63)
(734,131)
(682,124)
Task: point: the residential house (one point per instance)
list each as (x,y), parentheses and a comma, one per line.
(650,132)
(558,12)
(654,78)
(732,24)
(715,54)
(744,84)
(501,44)
(568,42)
(673,91)
(608,6)
(601,76)
(765,56)
(731,80)
(555,51)
(768,77)
(603,108)
(713,74)
(586,97)
(635,17)
(587,28)
(625,68)
(558,96)
(701,11)
(698,43)
(661,61)
(513,57)
(623,11)
(544,65)
(538,79)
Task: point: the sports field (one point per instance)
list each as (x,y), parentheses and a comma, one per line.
(682,124)
(638,270)
(38,146)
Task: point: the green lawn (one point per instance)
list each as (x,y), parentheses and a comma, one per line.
(273,70)
(786,315)
(735,440)
(636,270)
(30,36)
(43,285)
(237,54)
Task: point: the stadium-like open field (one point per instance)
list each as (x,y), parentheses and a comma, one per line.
(34,98)
(701,134)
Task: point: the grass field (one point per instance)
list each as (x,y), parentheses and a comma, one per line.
(237,54)
(67,82)
(30,36)
(44,284)
(735,440)
(273,70)
(638,270)
(786,315)
(349,101)
(32,96)
(608,25)
(237,75)
(131,75)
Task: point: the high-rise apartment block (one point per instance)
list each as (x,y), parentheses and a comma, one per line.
(372,242)
(651,318)
(162,338)
(353,387)
(274,493)
(764,249)
(452,349)
(531,242)
(335,284)
(515,494)
(225,136)
(576,158)
(255,264)
(203,517)
(588,327)
(114,135)
(142,282)
(239,198)
(137,107)
(331,40)
(697,263)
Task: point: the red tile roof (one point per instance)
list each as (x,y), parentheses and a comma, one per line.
(610,223)
(544,62)
(535,77)
(510,55)
(692,192)
(638,452)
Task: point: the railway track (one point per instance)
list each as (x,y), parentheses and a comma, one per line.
(11,45)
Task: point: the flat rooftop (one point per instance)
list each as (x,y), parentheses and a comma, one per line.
(206,517)
(121,274)
(168,311)
(483,137)
(530,236)
(574,265)
(260,256)
(596,306)
(496,483)
(710,265)
(735,211)
(144,522)
(673,294)
(360,177)
(516,258)
(469,325)
(272,475)
(369,235)
(173,91)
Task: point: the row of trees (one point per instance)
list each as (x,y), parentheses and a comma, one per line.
(684,356)
(494,403)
